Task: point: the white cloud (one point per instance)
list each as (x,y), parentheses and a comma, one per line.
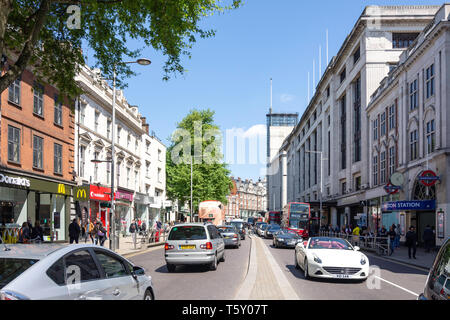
(286,97)
(256,130)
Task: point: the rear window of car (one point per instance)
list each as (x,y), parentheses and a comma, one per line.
(10,269)
(238,225)
(226,229)
(188,233)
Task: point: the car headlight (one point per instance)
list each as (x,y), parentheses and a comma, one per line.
(363,260)
(317,259)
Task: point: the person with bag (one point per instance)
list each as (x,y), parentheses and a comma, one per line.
(101,233)
(411,242)
(133,230)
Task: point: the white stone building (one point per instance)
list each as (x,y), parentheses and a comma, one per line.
(409,133)
(93,138)
(336,123)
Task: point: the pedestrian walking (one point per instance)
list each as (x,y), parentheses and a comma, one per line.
(398,234)
(411,242)
(101,232)
(24,234)
(355,234)
(133,230)
(74,231)
(391,234)
(91,231)
(428,237)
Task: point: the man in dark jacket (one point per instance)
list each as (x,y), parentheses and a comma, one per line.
(411,241)
(74,231)
(428,237)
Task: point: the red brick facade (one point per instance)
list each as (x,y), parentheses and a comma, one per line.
(22,117)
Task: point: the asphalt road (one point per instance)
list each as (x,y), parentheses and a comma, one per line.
(196,282)
(391,281)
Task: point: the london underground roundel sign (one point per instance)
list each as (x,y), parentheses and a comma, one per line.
(391,189)
(428,178)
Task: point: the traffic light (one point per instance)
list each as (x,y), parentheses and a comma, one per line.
(105,204)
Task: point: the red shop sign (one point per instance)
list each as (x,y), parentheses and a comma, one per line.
(100,193)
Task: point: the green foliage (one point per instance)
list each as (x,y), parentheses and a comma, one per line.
(168,26)
(210,181)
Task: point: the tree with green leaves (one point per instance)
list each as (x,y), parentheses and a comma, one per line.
(49,35)
(197,139)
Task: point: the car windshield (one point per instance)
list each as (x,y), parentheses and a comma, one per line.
(238,225)
(12,268)
(329,243)
(274,227)
(289,233)
(226,229)
(188,233)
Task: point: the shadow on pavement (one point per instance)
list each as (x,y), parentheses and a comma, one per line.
(184,269)
(394,266)
(298,273)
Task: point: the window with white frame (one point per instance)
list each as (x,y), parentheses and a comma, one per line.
(13,144)
(383,167)
(82,160)
(429,82)
(58,111)
(375,170)
(413,144)
(391,160)
(108,129)
(38,144)
(128,176)
(392,122)
(82,113)
(431,137)
(375,129)
(58,157)
(159,175)
(413,95)
(96,156)
(14,91)
(97,117)
(38,102)
(383,124)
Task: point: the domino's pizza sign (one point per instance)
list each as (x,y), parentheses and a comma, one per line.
(427,205)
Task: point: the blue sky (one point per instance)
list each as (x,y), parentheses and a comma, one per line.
(230,73)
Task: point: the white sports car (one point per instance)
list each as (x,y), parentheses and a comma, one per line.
(326,257)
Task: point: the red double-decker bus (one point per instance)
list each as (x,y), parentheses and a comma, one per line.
(296,217)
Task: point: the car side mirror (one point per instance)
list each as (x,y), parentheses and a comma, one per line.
(356,248)
(138,271)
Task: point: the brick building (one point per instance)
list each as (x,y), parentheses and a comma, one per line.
(36,156)
(247,199)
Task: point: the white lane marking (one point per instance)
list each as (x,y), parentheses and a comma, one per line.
(396,285)
(286,288)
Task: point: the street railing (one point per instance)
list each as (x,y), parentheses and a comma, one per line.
(380,245)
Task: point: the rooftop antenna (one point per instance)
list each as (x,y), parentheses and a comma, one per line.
(327,48)
(270,95)
(314,76)
(309,88)
(320,61)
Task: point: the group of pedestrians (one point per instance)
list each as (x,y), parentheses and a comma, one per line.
(28,233)
(95,231)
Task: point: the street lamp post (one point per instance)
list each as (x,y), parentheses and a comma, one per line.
(321,182)
(114,243)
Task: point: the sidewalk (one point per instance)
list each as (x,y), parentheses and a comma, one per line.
(424,259)
(127,246)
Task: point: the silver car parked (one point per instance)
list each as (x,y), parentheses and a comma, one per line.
(194,243)
(69,272)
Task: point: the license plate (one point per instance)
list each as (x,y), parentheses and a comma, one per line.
(342,276)
(187,247)
(227,237)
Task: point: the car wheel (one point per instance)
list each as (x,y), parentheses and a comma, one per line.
(171,267)
(223,257)
(213,265)
(148,295)
(297,266)
(306,270)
